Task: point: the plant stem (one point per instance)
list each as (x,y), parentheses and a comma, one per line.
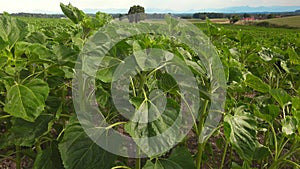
(200,152)
(275,142)
(5,116)
(200,127)
(138,160)
(18,157)
(292,163)
(224,155)
(138,163)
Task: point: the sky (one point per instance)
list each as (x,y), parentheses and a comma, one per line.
(52,6)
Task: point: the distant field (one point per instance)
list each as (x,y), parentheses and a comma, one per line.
(220,20)
(292,21)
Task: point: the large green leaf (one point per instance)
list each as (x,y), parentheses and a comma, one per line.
(48,158)
(240,131)
(65,55)
(35,52)
(268,113)
(11,30)
(106,69)
(281,96)
(24,133)
(180,158)
(257,84)
(79,151)
(166,120)
(27,101)
(73,13)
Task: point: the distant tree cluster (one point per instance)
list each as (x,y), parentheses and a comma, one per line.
(205,15)
(38,15)
(136,13)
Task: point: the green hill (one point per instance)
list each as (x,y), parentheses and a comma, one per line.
(291,21)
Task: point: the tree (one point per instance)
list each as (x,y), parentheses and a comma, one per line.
(234,19)
(246,15)
(136,13)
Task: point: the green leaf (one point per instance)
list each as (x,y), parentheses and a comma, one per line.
(167,82)
(3,61)
(293,56)
(48,158)
(196,67)
(289,125)
(107,68)
(102,96)
(11,30)
(257,84)
(3,44)
(34,52)
(261,152)
(72,13)
(281,96)
(296,108)
(180,158)
(268,113)
(79,151)
(149,165)
(136,101)
(235,166)
(172,22)
(155,128)
(36,37)
(65,55)
(24,133)
(240,131)
(27,101)
(296,103)
(235,74)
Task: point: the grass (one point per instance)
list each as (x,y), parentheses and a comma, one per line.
(291,21)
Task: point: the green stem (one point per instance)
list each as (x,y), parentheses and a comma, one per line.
(200,127)
(282,146)
(115,124)
(5,116)
(138,160)
(200,152)
(283,159)
(224,155)
(138,163)
(266,143)
(292,163)
(133,87)
(18,157)
(142,83)
(275,142)
(2,103)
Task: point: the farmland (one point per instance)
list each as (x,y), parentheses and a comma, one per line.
(291,21)
(47,84)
